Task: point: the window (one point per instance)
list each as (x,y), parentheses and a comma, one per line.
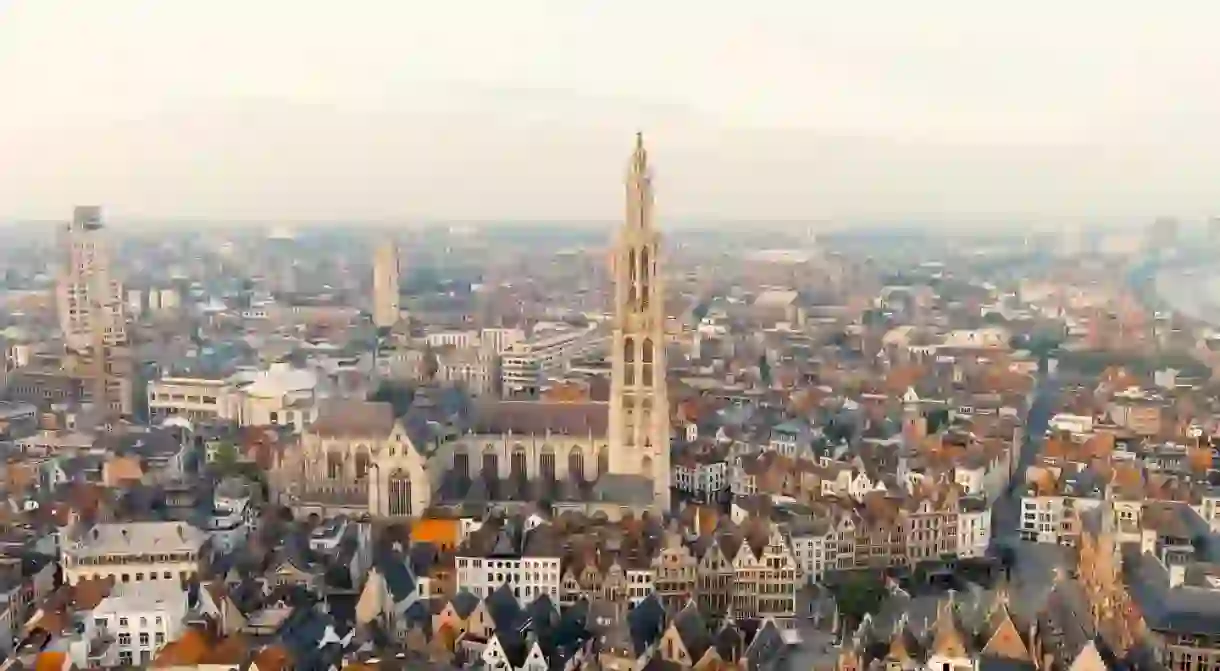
(124,639)
(144,640)
(122,622)
(160,638)
(100,623)
(158,619)
(143,622)
(125,657)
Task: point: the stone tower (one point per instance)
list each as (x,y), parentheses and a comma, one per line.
(639,403)
(385,284)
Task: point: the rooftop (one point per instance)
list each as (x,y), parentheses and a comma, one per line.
(136,538)
(279,379)
(145,596)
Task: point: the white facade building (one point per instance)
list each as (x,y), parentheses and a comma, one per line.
(233,516)
(701,479)
(809,549)
(132,552)
(141,618)
(530,577)
(193,398)
(525,364)
(459,339)
(1042,517)
(973,528)
(279,395)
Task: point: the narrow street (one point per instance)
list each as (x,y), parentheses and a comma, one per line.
(1006,513)
(1033,565)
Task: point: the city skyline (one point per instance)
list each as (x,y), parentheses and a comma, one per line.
(785,111)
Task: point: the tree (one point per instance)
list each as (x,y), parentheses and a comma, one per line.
(859,594)
(764,370)
(994,319)
(937,419)
(399,396)
(226,456)
(700,311)
(429,364)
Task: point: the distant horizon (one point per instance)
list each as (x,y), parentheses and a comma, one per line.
(1042,224)
(948,111)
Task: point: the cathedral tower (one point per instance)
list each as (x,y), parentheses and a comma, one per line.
(385,284)
(639,403)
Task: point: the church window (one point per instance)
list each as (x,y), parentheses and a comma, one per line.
(646,374)
(400,493)
(547,463)
(518,464)
(362,462)
(629,361)
(334,465)
(576,464)
(644,278)
(491,465)
(631,263)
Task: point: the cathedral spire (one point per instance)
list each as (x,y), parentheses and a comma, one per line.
(639,187)
(639,157)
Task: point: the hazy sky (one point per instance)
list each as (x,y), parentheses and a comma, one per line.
(525,108)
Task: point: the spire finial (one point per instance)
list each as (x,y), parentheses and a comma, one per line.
(639,157)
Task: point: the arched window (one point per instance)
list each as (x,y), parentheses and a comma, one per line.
(362,462)
(400,493)
(644,279)
(334,466)
(461,461)
(603,461)
(491,464)
(631,262)
(546,464)
(576,464)
(646,374)
(517,467)
(629,361)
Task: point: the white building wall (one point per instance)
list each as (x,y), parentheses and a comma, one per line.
(530,577)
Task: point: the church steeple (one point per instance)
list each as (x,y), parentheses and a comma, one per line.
(639,188)
(639,407)
(639,158)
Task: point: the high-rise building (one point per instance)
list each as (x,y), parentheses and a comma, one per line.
(84,287)
(385,285)
(91,313)
(1162,235)
(639,402)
